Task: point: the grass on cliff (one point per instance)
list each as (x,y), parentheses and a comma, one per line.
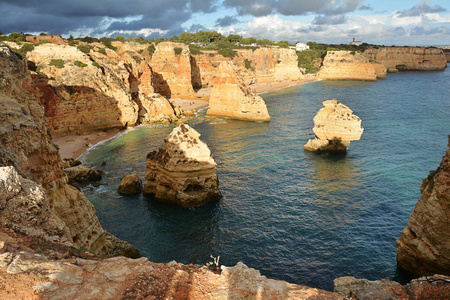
(80,64)
(59,63)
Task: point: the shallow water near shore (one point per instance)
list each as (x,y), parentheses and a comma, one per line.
(297,216)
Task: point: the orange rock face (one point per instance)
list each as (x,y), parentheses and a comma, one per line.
(172,64)
(424,247)
(347,65)
(409,58)
(231,97)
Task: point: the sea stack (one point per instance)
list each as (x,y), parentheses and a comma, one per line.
(335,126)
(424,247)
(182,171)
(231,97)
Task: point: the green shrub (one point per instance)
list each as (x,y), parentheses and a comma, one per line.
(227,52)
(102,51)
(195,50)
(211,55)
(248,64)
(141,51)
(137,58)
(59,63)
(25,48)
(353,53)
(95,64)
(178,51)
(80,64)
(107,42)
(151,49)
(84,48)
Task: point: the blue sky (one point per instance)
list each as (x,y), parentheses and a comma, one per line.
(386,22)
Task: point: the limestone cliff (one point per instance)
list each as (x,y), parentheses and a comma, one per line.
(424,247)
(182,171)
(231,97)
(27,147)
(54,38)
(172,64)
(409,58)
(335,126)
(347,65)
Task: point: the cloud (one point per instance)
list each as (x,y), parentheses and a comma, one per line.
(419,30)
(420,9)
(329,20)
(251,7)
(327,7)
(365,7)
(226,21)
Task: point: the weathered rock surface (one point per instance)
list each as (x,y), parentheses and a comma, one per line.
(335,126)
(27,146)
(82,174)
(130,185)
(424,247)
(432,287)
(409,58)
(182,171)
(347,65)
(54,38)
(172,64)
(231,97)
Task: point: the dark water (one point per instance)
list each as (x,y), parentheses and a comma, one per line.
(297,216)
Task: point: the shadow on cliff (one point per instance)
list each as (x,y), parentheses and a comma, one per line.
(196,78)
(160,85)
(77,109)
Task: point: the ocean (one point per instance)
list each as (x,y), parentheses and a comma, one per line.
(303,217)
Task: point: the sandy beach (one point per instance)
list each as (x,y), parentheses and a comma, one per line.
(73,146)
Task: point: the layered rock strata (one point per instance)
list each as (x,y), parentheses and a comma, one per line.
(27,147)
(172,64)
(409,58)
(424,247)
(335,126)
(231,97)
(350,65)
(182,171)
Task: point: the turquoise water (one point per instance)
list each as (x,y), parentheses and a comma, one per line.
(297,216)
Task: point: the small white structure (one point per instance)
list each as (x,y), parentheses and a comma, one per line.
(355,43)
(301,47)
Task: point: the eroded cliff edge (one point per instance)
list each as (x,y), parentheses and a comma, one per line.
(27,147)
(424,247)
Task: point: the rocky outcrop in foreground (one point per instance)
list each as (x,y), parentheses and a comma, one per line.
(335,126)
(27,148)
(231,97)
(347,65)
(182,171)
(409,58)
(424,247)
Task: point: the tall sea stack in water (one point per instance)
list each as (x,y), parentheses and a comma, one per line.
(335,126)
(182,171)
(424,247)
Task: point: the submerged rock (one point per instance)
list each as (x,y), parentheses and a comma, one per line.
(130,185)
(424,247)
(231,97)
(335,126)
(182,171)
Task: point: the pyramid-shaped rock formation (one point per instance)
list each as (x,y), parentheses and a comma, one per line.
(335,126)
(182,171)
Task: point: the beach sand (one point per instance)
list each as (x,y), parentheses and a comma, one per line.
(73,146)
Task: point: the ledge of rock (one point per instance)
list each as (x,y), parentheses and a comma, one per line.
(182,171)
(231,97)
(335,126)
(424,247)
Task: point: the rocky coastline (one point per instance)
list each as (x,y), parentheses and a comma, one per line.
(53,245)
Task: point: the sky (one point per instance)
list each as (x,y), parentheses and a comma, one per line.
(383,22)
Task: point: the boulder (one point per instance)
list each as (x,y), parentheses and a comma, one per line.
(82,174)
(335,126)
(130,185)
(424,247)
(182,171)
(231,97)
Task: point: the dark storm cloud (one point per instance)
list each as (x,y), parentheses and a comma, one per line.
(420,9)
(256,8)
(226,21)
(62,16)
(329,20)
